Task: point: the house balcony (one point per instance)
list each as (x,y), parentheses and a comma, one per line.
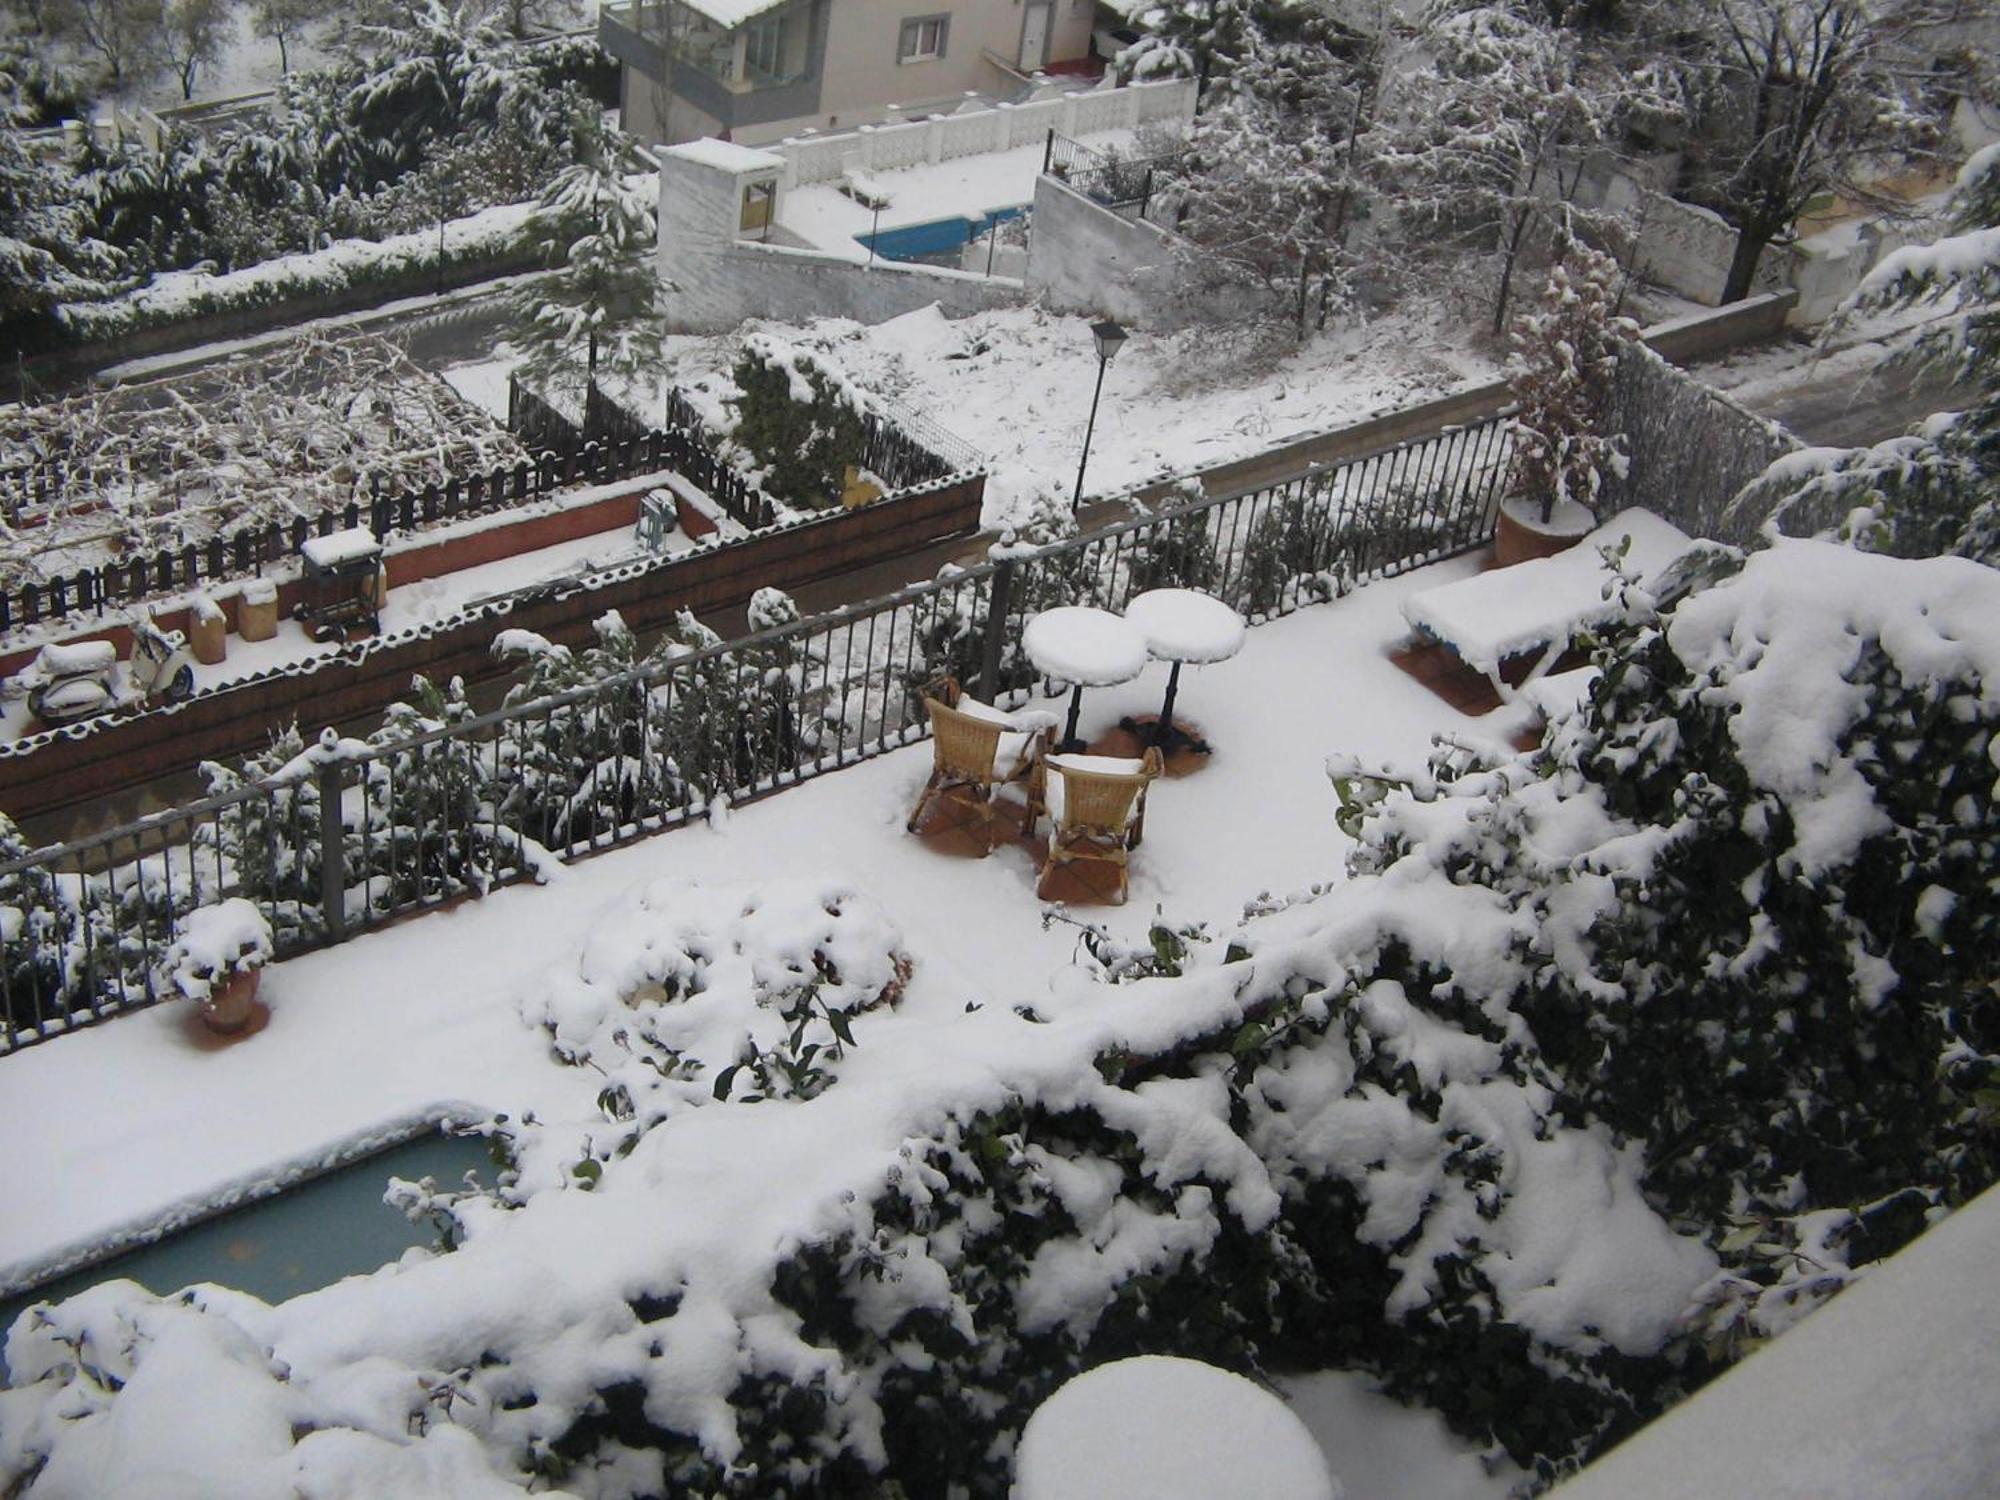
(739,71)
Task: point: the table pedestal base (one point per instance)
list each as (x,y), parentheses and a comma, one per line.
(1170,736)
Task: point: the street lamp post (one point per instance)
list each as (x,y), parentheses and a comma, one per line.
(1110,338)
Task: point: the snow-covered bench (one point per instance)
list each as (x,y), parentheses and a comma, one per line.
(1541,606)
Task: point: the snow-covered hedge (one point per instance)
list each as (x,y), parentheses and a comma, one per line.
(493,236)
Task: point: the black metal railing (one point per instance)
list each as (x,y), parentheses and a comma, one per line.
(1125,185)
(459,810)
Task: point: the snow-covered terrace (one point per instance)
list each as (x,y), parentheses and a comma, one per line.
(422,1020)
(123,1124)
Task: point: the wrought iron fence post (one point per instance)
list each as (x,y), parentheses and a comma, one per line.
(332,853)
(996,630)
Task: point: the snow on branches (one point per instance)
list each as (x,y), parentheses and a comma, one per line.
(314,422)
(1936,490)
(1565,348)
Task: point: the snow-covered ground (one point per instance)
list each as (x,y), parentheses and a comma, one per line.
(1017,385)
(402,1024)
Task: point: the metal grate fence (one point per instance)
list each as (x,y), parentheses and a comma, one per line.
(347,836)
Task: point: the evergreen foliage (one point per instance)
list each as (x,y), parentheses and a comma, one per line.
(604,309)
(1938,490)
(799,424)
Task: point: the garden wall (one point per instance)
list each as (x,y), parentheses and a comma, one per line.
(814,158)
(93,758)
(1690,448)
(1084,258)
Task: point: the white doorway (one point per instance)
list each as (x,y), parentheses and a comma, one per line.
(1035,35)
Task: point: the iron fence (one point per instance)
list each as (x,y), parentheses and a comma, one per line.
(1121,184)
(346,836)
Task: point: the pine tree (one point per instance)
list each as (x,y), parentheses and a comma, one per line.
(603,310)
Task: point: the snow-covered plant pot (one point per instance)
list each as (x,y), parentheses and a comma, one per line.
(1565,348)
(1523,533)
(216,960)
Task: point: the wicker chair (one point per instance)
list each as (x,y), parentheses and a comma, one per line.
(1096,806)
(978,748)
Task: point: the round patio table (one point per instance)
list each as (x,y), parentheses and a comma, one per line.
(1184,625)
(1086,648)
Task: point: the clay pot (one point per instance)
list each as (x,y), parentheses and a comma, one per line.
(232,1001)
(1521,534)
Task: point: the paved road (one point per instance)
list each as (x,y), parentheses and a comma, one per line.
(1843,412)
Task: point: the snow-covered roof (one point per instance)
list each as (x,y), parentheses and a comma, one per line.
(726,156)
(733,13)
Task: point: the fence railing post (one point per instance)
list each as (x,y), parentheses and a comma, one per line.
(332,852)
(996,630)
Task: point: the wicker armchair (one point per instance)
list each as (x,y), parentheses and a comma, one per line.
(1096,806)
(978,748)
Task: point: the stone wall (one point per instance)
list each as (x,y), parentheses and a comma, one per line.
(1084,258)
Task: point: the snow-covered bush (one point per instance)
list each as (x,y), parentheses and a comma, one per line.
(584,770)
(1565,348)
(799,420)
(1180,554)
(1756,877)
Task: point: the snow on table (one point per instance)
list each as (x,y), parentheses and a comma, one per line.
(1542,604)
(1084,646)
(1168,1429)
(1186,625)
(352,545)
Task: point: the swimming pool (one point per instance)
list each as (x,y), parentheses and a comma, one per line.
(302,1239)
(937,239)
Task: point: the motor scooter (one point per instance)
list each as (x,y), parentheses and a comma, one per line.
(71,681)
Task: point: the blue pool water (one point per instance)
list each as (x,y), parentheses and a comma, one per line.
(936,239)
(302,1239)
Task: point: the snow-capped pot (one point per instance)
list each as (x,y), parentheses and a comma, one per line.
(216,958)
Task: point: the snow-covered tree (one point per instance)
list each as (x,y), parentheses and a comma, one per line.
(1796,99)
(285,22)
(123,35)
(1937,490)
(1495,123)
(1278,170)
(603,308)
(48,252)
(1565,347)
(194,35)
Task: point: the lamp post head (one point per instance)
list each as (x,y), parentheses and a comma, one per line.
(1110,338)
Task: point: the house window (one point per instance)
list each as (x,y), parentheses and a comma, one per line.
(923,39)
(764,48)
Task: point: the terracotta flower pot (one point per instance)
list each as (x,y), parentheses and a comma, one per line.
(1521,534)
(232,1001)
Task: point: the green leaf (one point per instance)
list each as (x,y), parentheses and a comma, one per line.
(725,1078)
